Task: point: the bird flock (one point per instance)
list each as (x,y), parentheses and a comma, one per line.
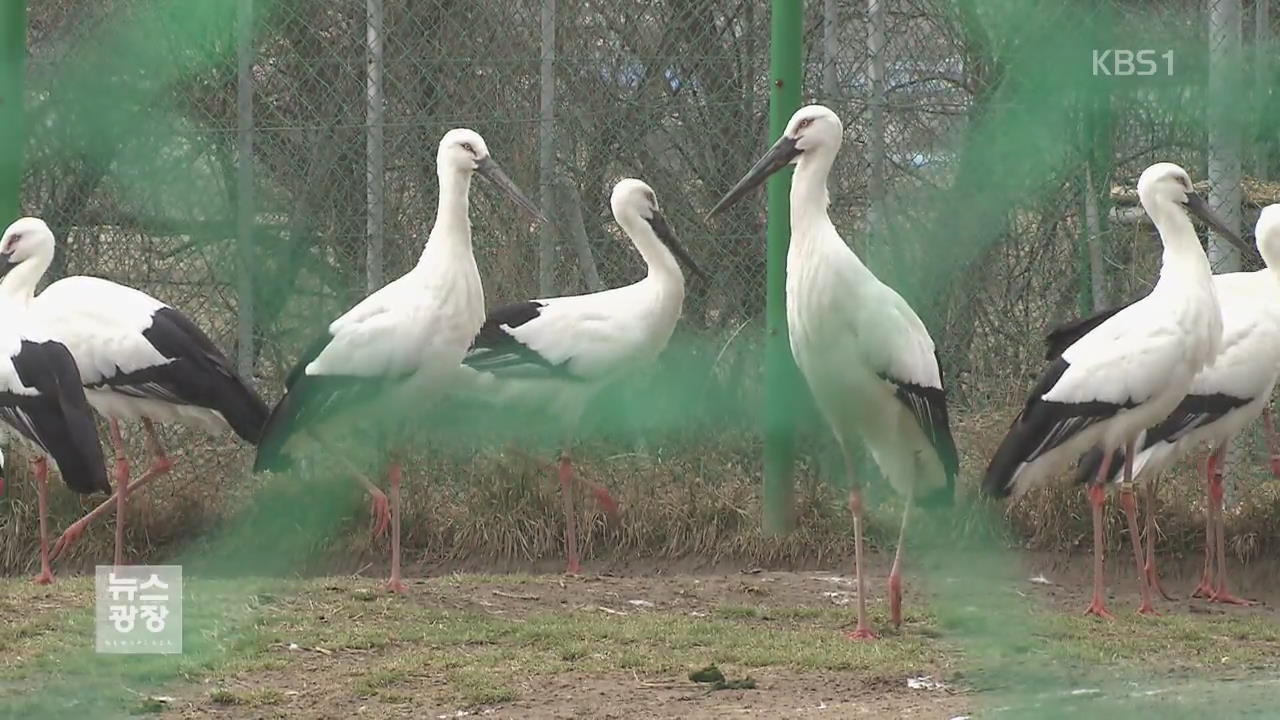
(1124,392)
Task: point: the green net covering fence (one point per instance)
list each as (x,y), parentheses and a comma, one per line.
(263,165)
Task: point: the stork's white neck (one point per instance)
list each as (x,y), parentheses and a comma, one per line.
(452,229)
(1270,257)
(809,199)
(19,285)
(660,262)
(1183,257)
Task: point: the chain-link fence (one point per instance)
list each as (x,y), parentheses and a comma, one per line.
(332,112)
(261,165)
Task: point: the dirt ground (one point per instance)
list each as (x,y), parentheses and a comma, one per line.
(315,685)
(621,645)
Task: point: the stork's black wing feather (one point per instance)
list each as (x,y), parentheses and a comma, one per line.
(197,374)
(1195,411)
(497,352)
(1040,427)
(929,407)
(57,418)
(310,398)
(1062,336)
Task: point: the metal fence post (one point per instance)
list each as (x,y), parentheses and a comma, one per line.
(876,130)
(375,106)
(244,187)
(1225,80)
(546,151)
(780,375)
(1261,37)
(1225,83)
(13,46)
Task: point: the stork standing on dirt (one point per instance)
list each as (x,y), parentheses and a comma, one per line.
(558,352)
(864,352)
(40,392)
(138,359)
(1123,375)
(401,345)
(1223,398)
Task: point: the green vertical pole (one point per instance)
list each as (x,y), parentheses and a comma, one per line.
(13,60)
(780,376)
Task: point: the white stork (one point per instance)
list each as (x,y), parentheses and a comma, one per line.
(1125,373)
(1223,398)
(557,353)
(138,359)
(403,344)
(40,392)
(864,352)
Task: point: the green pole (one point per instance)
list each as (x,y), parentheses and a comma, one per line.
(13,56)
(780,376)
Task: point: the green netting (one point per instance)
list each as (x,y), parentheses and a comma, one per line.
(971,126)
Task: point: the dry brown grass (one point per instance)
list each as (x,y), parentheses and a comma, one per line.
(503,505)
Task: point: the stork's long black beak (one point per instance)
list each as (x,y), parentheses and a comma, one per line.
(668,238)
(778,156)
(1197,206)
(491,172)
(6,263)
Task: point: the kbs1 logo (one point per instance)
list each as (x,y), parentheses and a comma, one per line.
(1127,63)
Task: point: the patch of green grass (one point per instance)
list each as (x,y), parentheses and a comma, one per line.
(1167,644)
(766,612)
(222,696)
(480,687)
(264,696)
(371,683)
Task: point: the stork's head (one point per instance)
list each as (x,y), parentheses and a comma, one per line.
(813,129)
(1165,183)
(1165,186)
(27,238)
(463,151)
(1267,233)
(633,203)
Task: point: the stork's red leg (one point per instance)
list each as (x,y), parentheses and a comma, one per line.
(895,574)
(122,488)
(161,466)
(161,463)
(394,584)
(601,496)
(1220,592)
(1153,577)
(379,507)
(863,631)
(1130,505)
(1097,499)
(1205,588)
(570,516)
(42,505)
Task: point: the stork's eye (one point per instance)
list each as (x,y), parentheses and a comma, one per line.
(468,148)
(804,123)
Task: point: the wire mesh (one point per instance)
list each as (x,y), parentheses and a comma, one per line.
(971,177)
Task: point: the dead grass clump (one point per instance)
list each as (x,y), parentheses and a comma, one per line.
(681,497)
